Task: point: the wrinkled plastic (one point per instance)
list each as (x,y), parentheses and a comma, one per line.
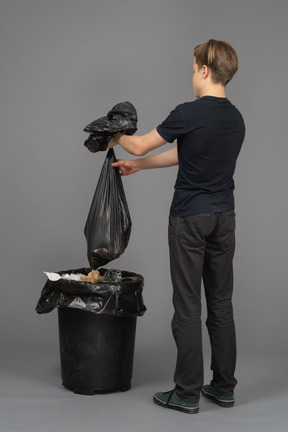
(108,224)
(121,118)
(120,298)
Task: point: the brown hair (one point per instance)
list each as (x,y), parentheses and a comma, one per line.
(220,57)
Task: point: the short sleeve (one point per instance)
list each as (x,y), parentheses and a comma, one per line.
(173,126)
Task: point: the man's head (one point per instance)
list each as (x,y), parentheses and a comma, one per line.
(219,57)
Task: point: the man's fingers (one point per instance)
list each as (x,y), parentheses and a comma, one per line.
(118,163)
(124,167)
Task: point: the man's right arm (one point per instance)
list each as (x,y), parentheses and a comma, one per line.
(161,160)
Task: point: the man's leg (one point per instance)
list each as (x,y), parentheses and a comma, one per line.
(218,283)
(187,250)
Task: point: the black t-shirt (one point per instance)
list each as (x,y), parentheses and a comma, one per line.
(209,133)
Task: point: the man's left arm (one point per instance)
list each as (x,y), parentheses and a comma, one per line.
(138,145)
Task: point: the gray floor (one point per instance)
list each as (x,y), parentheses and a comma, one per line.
(32,398)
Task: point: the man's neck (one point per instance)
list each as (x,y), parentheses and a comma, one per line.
(214,90)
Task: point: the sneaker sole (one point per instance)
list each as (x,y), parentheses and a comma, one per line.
(222,403)
(175,407)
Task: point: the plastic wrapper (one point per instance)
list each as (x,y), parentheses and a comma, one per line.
(119,298)
(108,224)
(121,118)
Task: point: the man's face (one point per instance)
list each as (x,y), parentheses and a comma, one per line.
(197,81)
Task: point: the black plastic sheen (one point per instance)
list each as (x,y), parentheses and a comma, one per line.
(108,224)
(121,118)
(121,298)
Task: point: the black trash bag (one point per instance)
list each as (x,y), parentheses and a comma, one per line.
(121,118)
(121,298)
(108,224)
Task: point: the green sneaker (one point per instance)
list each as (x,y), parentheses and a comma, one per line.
(171,400)
(224,401)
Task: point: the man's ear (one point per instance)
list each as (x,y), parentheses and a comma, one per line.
(205,72)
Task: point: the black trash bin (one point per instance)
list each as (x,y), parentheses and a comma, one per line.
(96,351)
(97,326)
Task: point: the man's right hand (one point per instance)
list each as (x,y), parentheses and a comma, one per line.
(126,167)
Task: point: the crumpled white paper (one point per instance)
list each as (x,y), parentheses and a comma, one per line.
(55,276)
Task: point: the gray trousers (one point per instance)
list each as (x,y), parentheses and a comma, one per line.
(202,246)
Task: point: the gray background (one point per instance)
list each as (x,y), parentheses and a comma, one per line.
(65,63)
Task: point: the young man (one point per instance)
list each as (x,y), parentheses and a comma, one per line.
(209,133)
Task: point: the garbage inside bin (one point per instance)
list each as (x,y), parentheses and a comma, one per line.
(118,297)
(121,118)
(94,276)
(108,224)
